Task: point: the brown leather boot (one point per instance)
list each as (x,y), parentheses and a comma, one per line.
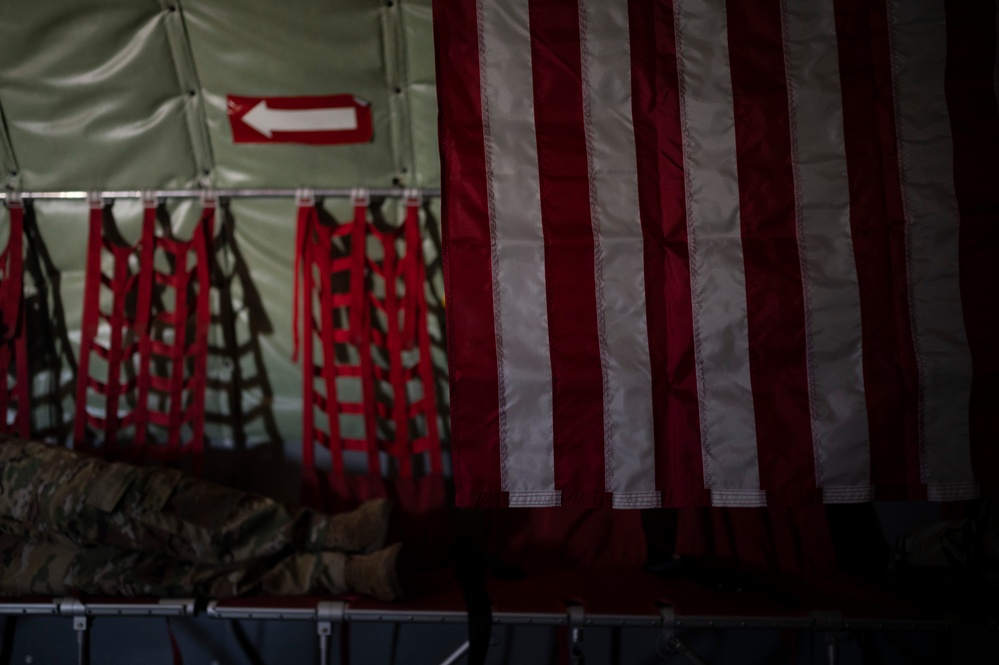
(375,574)
(363,529)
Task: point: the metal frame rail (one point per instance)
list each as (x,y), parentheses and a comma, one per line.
(329,613)
(82,612)
(258,193)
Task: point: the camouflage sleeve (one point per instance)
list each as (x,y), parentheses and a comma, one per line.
(32,568)
(49,493)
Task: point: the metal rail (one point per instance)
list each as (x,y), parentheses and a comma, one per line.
(218,610)
(336,192)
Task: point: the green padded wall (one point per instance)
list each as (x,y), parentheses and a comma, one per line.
(132,94)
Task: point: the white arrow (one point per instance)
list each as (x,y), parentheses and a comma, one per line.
(267,120)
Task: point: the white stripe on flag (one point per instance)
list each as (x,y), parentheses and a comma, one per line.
(526,430)
(829,274)
(717,279)
(618,247)
(919,50)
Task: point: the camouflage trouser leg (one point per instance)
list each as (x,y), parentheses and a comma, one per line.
(53,569)
(49,493)
(196,520)
(46,568)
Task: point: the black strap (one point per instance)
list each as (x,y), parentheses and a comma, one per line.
(178,657)
(470,571)
(245,644)
(7,643)
(45,326)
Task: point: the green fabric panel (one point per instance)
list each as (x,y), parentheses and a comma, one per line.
(299,47)
(63,228)
(423,118)
(104,104)
(417,32)
(265,247)
(8,161)
(90,95)
(418,24)
(187,77)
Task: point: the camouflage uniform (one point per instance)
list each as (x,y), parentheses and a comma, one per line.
(70,522)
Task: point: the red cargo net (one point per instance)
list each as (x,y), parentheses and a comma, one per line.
(154,344)
(14,398)
(332,301)
(340,307)
(412,403)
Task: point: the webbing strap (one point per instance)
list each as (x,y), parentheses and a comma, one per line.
(358,252)
(178,657)
(7,641)
(14,339)
(411,273)
(178,344)
(316,267)
(11,289)
(91,307)
(399,446)
(185,392)
(115,351)
(428,405)
(405,312)
(331,402)
(143,315)
(199,372)
(306,219)
(181,352)
(303,254)
(411,269)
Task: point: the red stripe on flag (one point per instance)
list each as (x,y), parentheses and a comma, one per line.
(569,260)
(774,295)
(662,203)
(971,100)
(471,338)
(878,229)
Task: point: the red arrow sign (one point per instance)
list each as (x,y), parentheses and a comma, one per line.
(323,120)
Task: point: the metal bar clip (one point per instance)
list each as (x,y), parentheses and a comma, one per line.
(305,197)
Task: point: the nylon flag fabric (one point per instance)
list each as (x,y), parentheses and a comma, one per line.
(736,254)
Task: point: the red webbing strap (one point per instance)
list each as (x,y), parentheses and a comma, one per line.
(5,357)
(143,315)
(178,321)
(91,307)
(399,447)
(360,326)
(199,376)
(411,273)
(416,318)
(358,252)
(302,300)
(23,388)
(119,282)
(13,318)
(432,443)
(178,657)
(321,257)
(368,388)
(307,216)
(12,260)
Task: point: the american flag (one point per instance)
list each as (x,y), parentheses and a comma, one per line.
(738,254)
